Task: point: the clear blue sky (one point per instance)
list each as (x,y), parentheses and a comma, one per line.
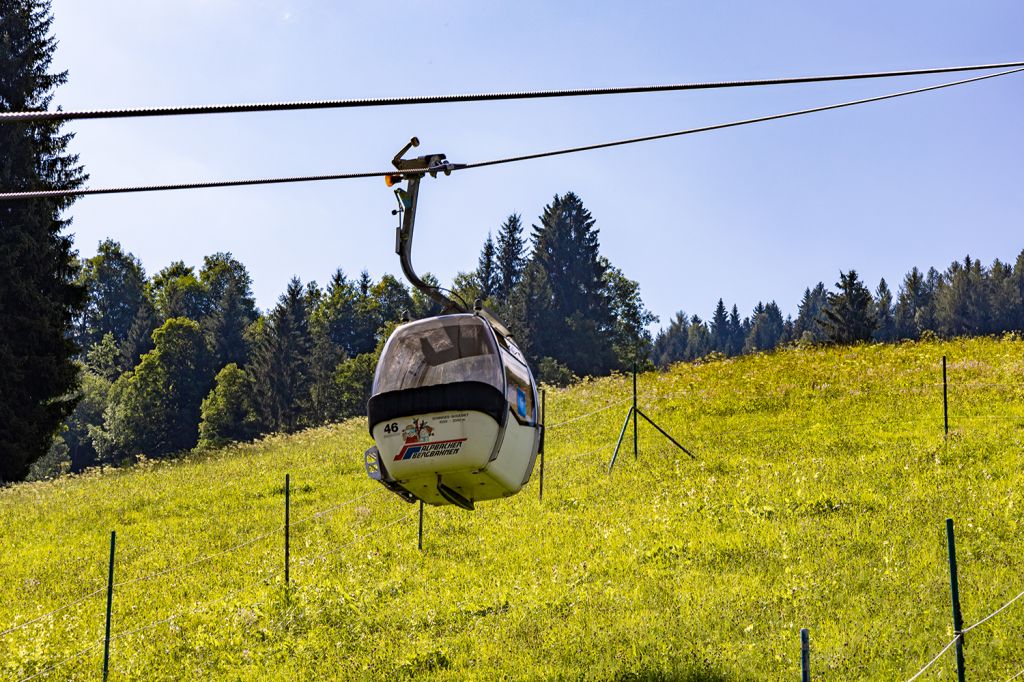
(749,214)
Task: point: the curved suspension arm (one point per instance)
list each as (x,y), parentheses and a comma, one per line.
(407,200)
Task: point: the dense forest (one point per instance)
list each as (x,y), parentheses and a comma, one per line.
(185,358)
(967,299)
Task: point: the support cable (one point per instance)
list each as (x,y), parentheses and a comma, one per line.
(7,196)
(38,116)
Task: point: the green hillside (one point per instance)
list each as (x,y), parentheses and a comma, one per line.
(818,500)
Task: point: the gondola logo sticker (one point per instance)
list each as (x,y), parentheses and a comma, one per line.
(418,446)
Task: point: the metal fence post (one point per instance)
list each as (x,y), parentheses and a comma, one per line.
(954,588)
(420,542)
(110,604)
(287,526)
(805,655)
(945,399)
(543,436)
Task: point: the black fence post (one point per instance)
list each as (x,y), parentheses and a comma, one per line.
(543,436)
(954,588)
(420,541)
(110,604)
(287,526)
(945,399)
(805,655)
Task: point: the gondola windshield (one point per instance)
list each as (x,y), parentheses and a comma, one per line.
(439,350)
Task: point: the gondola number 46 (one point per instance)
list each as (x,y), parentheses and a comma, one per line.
(391,428)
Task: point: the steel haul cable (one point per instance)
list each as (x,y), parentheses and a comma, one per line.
(8,196)
(37,116)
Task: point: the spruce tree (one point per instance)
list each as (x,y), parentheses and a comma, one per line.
(510,258)
(1003,296)
(1018,283)
(884,315)
(487,275)
(670,344)
(578,325)
(766,330)
(720,329)
(806,327)
(849,316)
(912,300)
(698,342)
(39,297)
(226,324)
(280,362)
(737,332)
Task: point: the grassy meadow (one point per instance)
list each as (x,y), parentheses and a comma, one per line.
(817,499)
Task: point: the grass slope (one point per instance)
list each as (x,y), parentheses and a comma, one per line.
(818,501)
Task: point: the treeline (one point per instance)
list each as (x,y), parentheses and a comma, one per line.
(966,299)
(185,358)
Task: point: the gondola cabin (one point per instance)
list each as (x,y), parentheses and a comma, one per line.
(453,412)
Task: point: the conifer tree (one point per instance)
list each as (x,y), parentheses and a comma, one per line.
(510,260)
(737,332)
(698,342)
(884,315)
(912,300)
(39,297)
(366,318)
(849,316)
(140,335)
(226,325)
(578,325)
(806,327)
(766,329)
(280,363)
(1004,297)
(670,343)
(1017,281)
(487,275)
(720,328)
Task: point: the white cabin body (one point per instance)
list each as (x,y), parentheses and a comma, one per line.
(454,412)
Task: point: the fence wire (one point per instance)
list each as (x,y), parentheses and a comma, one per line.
(1015,676)
(70,658)
(53,612)
(937,657)
(994,613)
(588,414)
